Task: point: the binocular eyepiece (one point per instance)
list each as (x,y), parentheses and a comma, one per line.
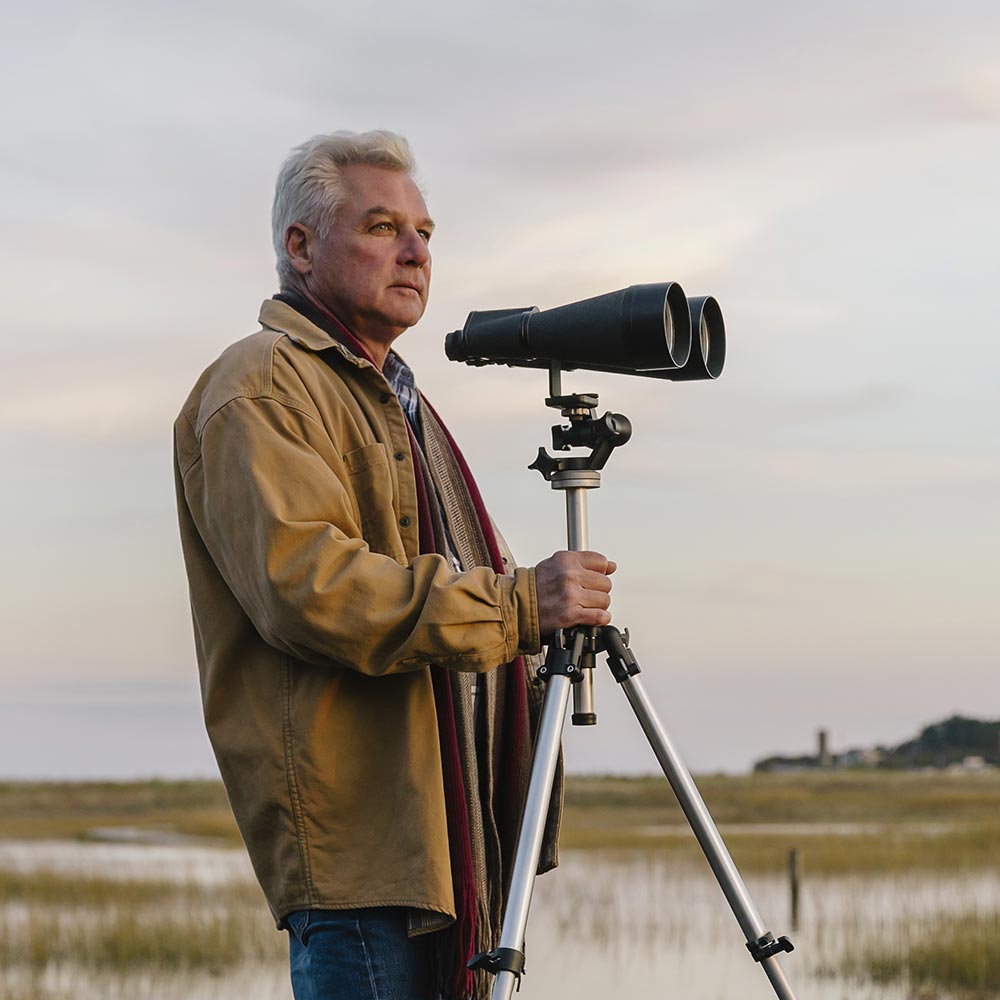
(651,330)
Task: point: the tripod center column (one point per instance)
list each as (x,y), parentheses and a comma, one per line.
(576,482)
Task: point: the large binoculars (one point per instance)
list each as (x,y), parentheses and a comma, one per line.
(652,330)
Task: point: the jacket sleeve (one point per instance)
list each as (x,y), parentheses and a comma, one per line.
(271,498)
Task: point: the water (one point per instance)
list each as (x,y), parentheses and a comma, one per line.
(179,862)
(602,927)
(651,928)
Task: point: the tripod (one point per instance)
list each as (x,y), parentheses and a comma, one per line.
(569,665)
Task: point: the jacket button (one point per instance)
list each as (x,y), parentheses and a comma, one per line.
(399,456)
(384,397)
(404,521)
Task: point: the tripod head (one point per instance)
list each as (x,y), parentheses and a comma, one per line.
(601,434)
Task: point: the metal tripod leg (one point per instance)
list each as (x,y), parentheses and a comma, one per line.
(508,959)
(760,941)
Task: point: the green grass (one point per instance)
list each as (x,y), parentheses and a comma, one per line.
(961,956)
(903,821)
(130,939)
(103,924)
(73,810)
(931,821)
(809,797)
(54,888)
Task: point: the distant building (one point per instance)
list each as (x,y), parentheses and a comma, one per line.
(823,758)
(971,763)
(861,757)
(957,744)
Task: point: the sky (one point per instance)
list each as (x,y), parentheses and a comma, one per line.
(808,542)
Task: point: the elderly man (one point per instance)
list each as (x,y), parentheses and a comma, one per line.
(359,623)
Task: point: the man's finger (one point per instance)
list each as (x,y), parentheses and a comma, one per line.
(594,617)
(595,599)
(595,581)
(596,561)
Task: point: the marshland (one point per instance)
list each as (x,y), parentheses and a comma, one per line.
(142,890)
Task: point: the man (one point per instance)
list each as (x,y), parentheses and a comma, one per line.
(348,589)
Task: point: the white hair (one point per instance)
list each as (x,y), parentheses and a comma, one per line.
(310,188)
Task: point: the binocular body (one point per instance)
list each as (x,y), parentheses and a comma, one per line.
(652,330)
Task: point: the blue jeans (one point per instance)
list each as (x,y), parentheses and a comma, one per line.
(362,954)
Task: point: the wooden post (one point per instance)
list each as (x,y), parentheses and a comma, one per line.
(794,881)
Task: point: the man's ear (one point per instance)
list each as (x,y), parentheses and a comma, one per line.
(299,247)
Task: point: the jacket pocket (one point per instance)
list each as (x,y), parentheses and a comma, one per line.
(371,484)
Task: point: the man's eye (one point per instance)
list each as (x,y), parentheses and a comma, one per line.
(382,227)
(424,234)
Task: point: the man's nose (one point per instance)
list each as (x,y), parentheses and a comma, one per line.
(413,249)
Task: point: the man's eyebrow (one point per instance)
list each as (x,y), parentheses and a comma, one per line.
(427,223)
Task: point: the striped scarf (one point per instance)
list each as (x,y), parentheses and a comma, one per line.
(486,780)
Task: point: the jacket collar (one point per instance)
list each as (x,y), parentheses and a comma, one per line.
(283,318)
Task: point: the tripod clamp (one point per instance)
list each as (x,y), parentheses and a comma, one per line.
(568,650)
(500,960)
(601,434)
(767,945)
(573,654)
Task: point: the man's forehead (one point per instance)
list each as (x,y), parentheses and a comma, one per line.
(370,189)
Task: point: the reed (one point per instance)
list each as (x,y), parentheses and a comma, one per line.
(74,810)
(848,821)
(54,888)
(843,821)
(126,937)
(960,955)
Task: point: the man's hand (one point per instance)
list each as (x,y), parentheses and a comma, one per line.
(573,589)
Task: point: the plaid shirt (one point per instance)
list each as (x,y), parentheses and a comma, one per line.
(400,378)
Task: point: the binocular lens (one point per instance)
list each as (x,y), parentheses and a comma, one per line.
(668,330)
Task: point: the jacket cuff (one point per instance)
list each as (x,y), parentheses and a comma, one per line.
(525,599)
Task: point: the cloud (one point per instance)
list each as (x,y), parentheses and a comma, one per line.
(113,406)
(828,177)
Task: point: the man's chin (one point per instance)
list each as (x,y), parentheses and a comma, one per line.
(405,317)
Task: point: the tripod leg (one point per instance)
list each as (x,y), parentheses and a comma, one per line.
(760,941)
(508,959)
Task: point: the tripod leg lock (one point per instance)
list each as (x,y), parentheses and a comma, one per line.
(766,946)
(564,660)
(621,659)
(500,960)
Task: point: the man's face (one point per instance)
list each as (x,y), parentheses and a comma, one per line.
(373,271)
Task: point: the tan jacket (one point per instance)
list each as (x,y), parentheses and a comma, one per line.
(315,620)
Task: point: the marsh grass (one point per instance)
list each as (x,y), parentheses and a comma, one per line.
(73,810)
(804,797)
(126,940)
(99,924)
(961,956)
(891,849)
(85,926)
(904,821)
(54,888)
(853,821)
